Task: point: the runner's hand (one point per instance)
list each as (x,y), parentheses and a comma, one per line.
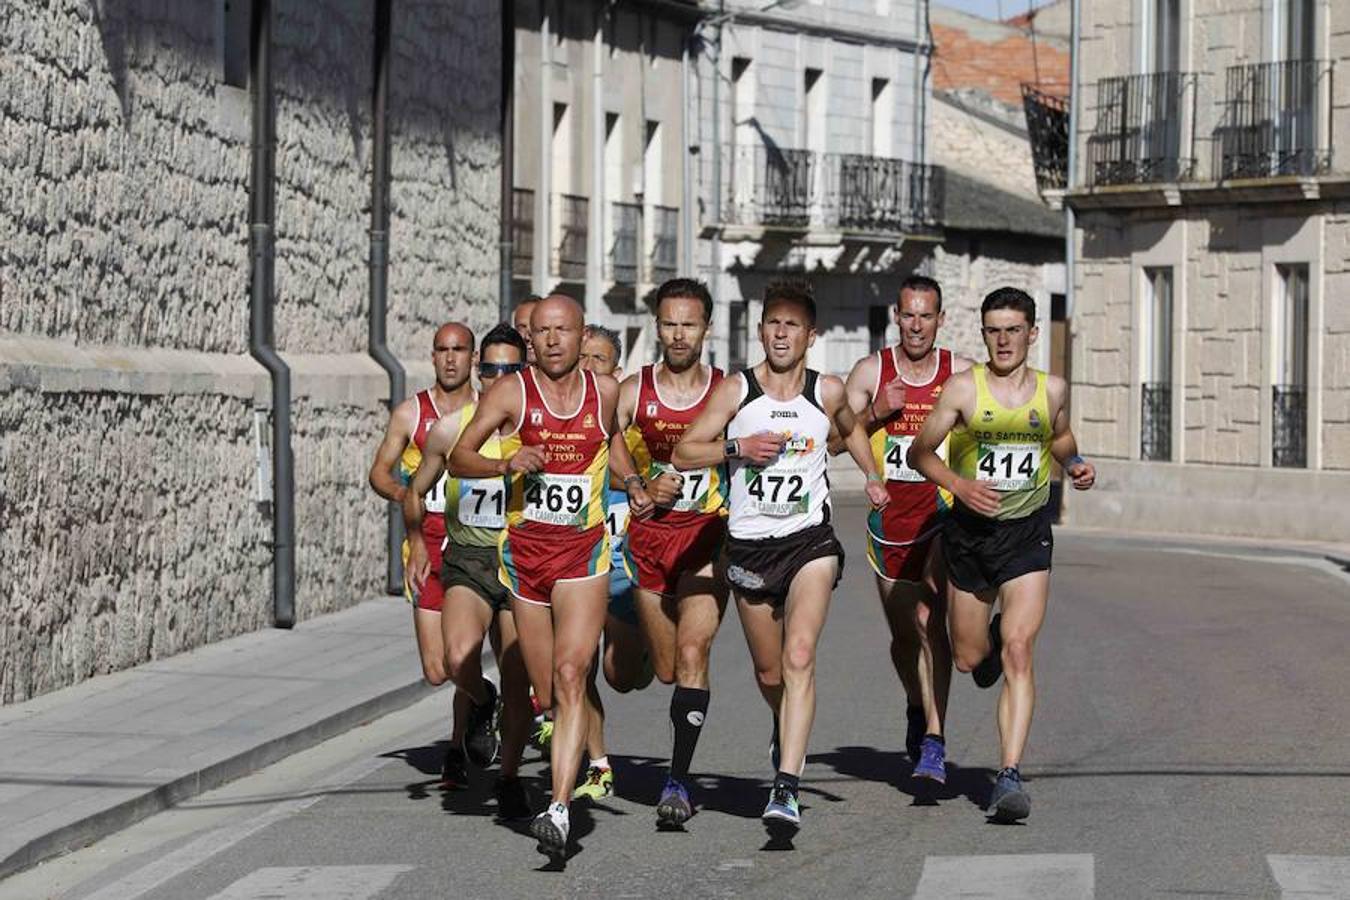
(640,503)
(877,493)
(526,459)
(977,495)
(890,398)
(665,488)
(762,448)
(418,569)
(1084,475)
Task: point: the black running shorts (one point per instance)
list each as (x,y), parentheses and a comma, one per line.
(475,568)
(763,569)
(983,553)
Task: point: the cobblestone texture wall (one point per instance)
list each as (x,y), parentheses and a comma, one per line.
(124,168)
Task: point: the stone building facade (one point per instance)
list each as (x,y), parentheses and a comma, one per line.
(132,418)
(1211,354)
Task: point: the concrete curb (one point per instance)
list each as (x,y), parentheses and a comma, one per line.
(156,799)
(1335,554)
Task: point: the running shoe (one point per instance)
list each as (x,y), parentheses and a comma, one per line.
(543,736)
(550,829)
(512,804)
(783,809)
(775,752)
(1009,801)
(453,773)
(481,741)
(991,667)
(932,762)
(674,808)
(598,785)
(916,726)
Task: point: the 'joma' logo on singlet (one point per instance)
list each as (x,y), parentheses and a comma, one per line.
(782,414)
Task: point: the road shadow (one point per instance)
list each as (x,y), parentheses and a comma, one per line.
(893,767)
(640,779)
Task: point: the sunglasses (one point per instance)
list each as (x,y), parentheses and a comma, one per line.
(494,370)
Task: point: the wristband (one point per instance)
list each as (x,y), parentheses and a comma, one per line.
(1074,460)
(873,476)
(731,449)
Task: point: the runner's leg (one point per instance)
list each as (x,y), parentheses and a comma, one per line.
(534,631)
(623,654)
(762,623)
(968,624)
(465,619)
(578,618)
(808,602)
(1023,600)
(657,615)
(516,714)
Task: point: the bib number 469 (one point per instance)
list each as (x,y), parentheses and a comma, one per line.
(556,499)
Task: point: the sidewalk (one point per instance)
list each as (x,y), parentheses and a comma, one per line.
(83,762)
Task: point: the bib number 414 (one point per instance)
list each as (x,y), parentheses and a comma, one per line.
(1009,467)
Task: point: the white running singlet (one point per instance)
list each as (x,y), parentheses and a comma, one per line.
(792,492)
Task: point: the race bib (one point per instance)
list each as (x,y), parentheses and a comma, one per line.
(557,499)
(616,521)
(434,501)
(482,502)
(1008,467)
(897,466)
(778,492)
(694,492)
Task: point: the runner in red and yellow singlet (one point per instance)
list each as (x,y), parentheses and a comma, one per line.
(893,391)
(555,549)
(670,553)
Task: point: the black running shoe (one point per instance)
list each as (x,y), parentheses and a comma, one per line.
(916,726)
(1009,801)
(512,804)
(991,667)
(481,742)
(453,774)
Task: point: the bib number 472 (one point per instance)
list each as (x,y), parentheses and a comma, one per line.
(776,488)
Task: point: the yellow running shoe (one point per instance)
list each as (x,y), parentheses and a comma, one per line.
(543,736)
(598,785)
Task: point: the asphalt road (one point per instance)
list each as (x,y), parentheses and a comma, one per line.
(1192,738)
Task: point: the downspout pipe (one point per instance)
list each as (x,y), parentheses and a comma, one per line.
(261,321)
(1070,218)
(378,344)
(506,243)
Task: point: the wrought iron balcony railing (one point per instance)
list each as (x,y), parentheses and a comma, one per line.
(1048,128)
(803,189)
(1289,432)
(1156,439)
(1277,119)
(665,242)
(570,259)
(522,231)
(1141,135)
(624,252)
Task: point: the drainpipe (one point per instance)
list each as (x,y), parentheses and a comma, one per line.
(505,243)
(261,330)
(1070,219)
(686,170)
(378,344)
(722,320)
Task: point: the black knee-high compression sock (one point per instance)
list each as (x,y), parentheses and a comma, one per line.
(688,706)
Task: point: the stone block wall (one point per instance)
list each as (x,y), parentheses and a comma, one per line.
(136,530)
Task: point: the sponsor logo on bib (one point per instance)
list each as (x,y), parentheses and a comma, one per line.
(1033,419)
(651,411)
(536,417)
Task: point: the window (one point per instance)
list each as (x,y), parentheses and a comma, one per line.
(738,335)
(878,320)
(1166,44)
(1289,392)
(812,128)
(1156,339)
(1299,37)
(881,120)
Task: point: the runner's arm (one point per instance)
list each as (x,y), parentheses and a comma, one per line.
(396,436)
(859,390)
(837,402)
(440,439)
(923,458)
(703,444)
(500,406)
(622,469)
(1063,445)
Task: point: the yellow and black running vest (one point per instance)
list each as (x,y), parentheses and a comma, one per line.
(1008,449)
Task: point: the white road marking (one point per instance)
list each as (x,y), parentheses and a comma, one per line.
(313,883)
(1311,877)
(1308,562)
(1031,876)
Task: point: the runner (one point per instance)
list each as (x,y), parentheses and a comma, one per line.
(554,550)
(520,318)
(783,559)
(475,603)
(892,391)
(1009,420)
(670,553)
(624,659)
(404,437)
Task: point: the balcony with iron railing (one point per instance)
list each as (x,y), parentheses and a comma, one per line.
(1276,120)
(665,243)
(1047,116)
(801,189)
(569,260)
(1142,135)
(522,231)
(624,254)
